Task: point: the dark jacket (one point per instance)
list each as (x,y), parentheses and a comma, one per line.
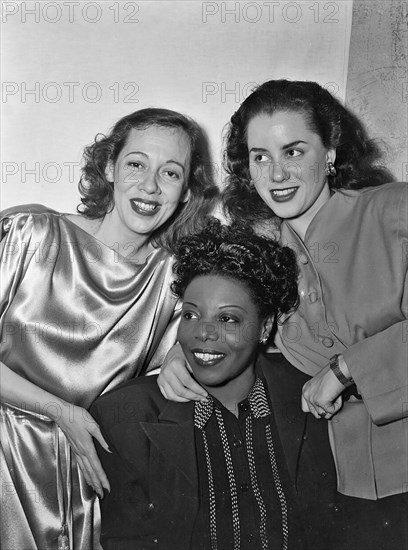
(152,468)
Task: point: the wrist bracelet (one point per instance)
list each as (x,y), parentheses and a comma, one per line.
(334,366)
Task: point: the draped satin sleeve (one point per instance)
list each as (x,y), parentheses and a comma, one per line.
(77,319)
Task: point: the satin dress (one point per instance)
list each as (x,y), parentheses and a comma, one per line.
(77,319)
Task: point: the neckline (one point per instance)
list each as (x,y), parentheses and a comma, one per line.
(124,258)
(312,221)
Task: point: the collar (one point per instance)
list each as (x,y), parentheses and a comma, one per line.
(257,399)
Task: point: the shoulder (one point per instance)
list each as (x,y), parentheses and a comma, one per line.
(136,400)
(27,210)
(281,374)
(36,215)
(388,194)
(385,207)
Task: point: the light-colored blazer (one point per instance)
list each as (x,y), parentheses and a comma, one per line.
(354,301)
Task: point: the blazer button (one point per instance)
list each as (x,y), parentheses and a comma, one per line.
(150,507)
(313,297)
(244,487)
(328,342)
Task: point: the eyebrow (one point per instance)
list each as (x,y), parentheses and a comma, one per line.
(291,144)
(147,156)
(233,305)
(219,307)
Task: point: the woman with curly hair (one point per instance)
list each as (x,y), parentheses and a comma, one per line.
(86,305)
(296,157)
(221,473)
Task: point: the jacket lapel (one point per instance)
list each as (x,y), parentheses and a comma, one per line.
(285,384)
(173,436)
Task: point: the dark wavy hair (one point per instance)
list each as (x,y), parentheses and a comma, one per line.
(97,192)
(266,268)
(356,155)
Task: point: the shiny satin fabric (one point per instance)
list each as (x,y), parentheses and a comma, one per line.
(77,319)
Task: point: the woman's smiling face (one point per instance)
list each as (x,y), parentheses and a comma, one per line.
(150,179)
(220,329)
(287,163)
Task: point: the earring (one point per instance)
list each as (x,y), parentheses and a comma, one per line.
(330,169)
(264,339)
(251,184)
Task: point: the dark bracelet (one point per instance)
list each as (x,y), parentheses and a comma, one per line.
(334,365)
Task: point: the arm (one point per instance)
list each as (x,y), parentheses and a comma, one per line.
(379,367)
(378,361)
(321,395)
(76,423)
(175,380)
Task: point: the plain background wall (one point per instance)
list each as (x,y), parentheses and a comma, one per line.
(377,86)
(71,69)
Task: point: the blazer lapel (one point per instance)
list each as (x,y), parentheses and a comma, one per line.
(285,386)
(173,436)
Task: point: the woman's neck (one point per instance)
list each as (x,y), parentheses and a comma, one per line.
(113,233)
(103,230)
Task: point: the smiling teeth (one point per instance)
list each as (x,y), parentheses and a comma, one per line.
(283,192)
(144,206)
(208,356)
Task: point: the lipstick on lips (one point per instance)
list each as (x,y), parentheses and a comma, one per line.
(207,358)
(145,207)
(283,195)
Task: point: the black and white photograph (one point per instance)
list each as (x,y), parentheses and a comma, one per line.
(204,275)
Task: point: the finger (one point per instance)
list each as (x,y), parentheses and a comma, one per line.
(188,383)
(335,406)
(99,472)
(187,389)
(312,410)
(308,407)
(338,403)
(89,474)
(180,373)
(85,473)
(321,412)
(305,404)
(315,414)
(96,483)
(189,394)
(169,393)
(94,462)
(97,434)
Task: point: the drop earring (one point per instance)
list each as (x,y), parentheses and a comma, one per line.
(264,339)
(330,169)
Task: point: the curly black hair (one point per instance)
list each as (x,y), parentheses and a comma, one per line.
(357,156)
(97,192)
(266,268)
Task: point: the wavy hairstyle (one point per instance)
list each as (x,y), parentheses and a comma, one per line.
(97,192)
(356,155)
(266,268)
